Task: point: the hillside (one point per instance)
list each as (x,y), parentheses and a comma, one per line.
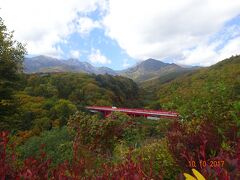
(54,96)
(83,89)
(204,93)
(152,69)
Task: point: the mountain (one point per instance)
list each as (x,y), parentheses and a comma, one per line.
(40,63)
(152,69)
(49,64)
(145,71)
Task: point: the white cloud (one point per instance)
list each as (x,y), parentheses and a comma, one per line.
(202,55)
(44,23)
(86,25)
(231,48)
(167,28)
(75,54)
(206,55)
(97,57)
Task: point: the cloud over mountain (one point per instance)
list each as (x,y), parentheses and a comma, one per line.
(168,28)
(199,32)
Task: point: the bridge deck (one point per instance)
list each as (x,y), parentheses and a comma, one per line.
(138,112)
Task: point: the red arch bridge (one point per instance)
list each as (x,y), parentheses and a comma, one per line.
(150,114)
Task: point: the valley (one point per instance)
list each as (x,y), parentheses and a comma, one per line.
(52,103)
(68,119)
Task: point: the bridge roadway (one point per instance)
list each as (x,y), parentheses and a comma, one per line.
(134,112)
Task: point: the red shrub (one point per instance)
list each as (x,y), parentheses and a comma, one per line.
(204,145)
(39,167)
(33,168)
(184,143)
(5,168)
(127,170)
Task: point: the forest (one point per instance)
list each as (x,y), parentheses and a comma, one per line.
(46,132)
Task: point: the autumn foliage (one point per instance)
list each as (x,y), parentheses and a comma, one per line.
(39,167)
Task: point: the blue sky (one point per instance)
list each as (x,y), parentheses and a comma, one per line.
(119,34)
(96,39)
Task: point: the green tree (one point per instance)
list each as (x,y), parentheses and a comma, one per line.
(11,58)
(62,110)
(30,109)
(236,116)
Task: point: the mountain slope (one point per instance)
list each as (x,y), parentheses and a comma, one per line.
(48,64)
(84,89)
(151,69)
(205,93)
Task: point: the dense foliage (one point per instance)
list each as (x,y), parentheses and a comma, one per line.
(11,57)
(83,89)
(208,93)
(47,100)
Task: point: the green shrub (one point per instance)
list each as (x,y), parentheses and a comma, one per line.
(157,155)
(58,145)
(120,152)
